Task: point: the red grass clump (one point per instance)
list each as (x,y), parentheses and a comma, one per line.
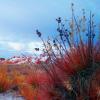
(35,87)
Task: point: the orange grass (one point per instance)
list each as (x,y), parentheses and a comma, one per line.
(5,79)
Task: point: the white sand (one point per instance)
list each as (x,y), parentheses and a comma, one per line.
(10,96)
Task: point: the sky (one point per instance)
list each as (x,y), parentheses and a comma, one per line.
(20,18)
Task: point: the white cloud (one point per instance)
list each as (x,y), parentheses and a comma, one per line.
(16,46)
(21,47)
(32,45)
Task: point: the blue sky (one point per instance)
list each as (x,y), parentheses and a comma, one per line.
(20,18)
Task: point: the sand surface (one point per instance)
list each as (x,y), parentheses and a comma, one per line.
(10,96)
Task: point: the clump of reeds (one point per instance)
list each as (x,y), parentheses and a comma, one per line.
(73,58)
